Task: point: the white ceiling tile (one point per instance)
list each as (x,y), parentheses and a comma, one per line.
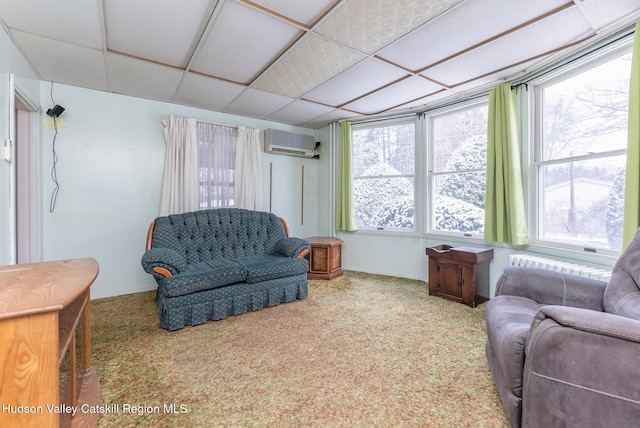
(166,31)
(299,112)
(255,103)
(311,62)
(567,26)
(239,52)
(81,66)
(369,25)
(206,92)
(601,14)
(332,116)
(461,28)
(394,95)
(358,80)
(142,78)
(303,11)
(463,91)
(74,21)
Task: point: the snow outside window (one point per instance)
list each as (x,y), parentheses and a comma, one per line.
(581,154)
(457,169)
(384,175)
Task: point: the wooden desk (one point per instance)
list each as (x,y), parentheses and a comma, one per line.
(41,304)
(325,258)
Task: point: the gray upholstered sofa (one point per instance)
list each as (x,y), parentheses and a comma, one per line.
(564,351)
(213,263)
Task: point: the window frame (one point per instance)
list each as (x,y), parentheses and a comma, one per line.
(432,175)
(570,69)
(382,123)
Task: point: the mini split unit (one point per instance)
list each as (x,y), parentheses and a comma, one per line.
(288,143)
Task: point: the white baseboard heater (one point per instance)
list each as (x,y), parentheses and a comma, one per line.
(528,260)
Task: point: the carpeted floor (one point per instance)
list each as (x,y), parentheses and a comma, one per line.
(361,351)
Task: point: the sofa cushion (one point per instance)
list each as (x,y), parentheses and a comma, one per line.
(204,276)
(508,321)
(267,266)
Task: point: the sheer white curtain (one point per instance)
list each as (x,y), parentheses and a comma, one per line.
(248,192)
(217,160)
(180,179)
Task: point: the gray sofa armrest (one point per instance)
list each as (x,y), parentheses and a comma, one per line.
(589,321)
(163,262)
(581,369)
(292,247)
(551,288)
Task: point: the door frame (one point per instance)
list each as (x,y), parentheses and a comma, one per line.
(25,217)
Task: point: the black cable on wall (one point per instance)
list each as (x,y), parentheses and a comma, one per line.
(54,112)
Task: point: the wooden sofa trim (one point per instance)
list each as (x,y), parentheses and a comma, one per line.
(284,223)
(150,234)
(162,271)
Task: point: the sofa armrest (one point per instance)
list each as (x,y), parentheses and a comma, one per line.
(551,288)
(601,323)
(164,262)
(581,369)
(292,247)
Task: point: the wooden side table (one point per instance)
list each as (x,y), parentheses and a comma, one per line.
(325,258)
(460,274)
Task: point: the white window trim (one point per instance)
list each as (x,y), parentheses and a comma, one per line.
(582,63)
(380,123)
(429,181)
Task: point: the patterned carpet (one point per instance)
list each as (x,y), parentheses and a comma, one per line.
(361,351)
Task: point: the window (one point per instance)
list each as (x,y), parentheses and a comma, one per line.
(580,154)
(457,169)
(384,175)
(216,164)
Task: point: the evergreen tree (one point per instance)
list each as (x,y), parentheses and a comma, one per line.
(615,212)
(386,201)
(469,187)
(452,214)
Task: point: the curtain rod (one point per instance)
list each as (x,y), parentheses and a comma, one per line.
(447,102)
(378,119)
(217,124)
(482,92)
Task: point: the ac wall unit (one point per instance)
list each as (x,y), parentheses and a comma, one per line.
(288,143)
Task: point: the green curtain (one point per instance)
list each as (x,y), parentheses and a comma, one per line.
(632,178)
(505,219)
(345,214)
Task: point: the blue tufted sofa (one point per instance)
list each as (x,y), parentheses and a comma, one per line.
(213,263)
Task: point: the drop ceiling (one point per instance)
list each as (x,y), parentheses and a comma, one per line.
(302,62)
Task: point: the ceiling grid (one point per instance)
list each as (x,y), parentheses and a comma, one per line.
(303,62)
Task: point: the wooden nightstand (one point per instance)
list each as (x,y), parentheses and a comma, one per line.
(460,274)
(325,259)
